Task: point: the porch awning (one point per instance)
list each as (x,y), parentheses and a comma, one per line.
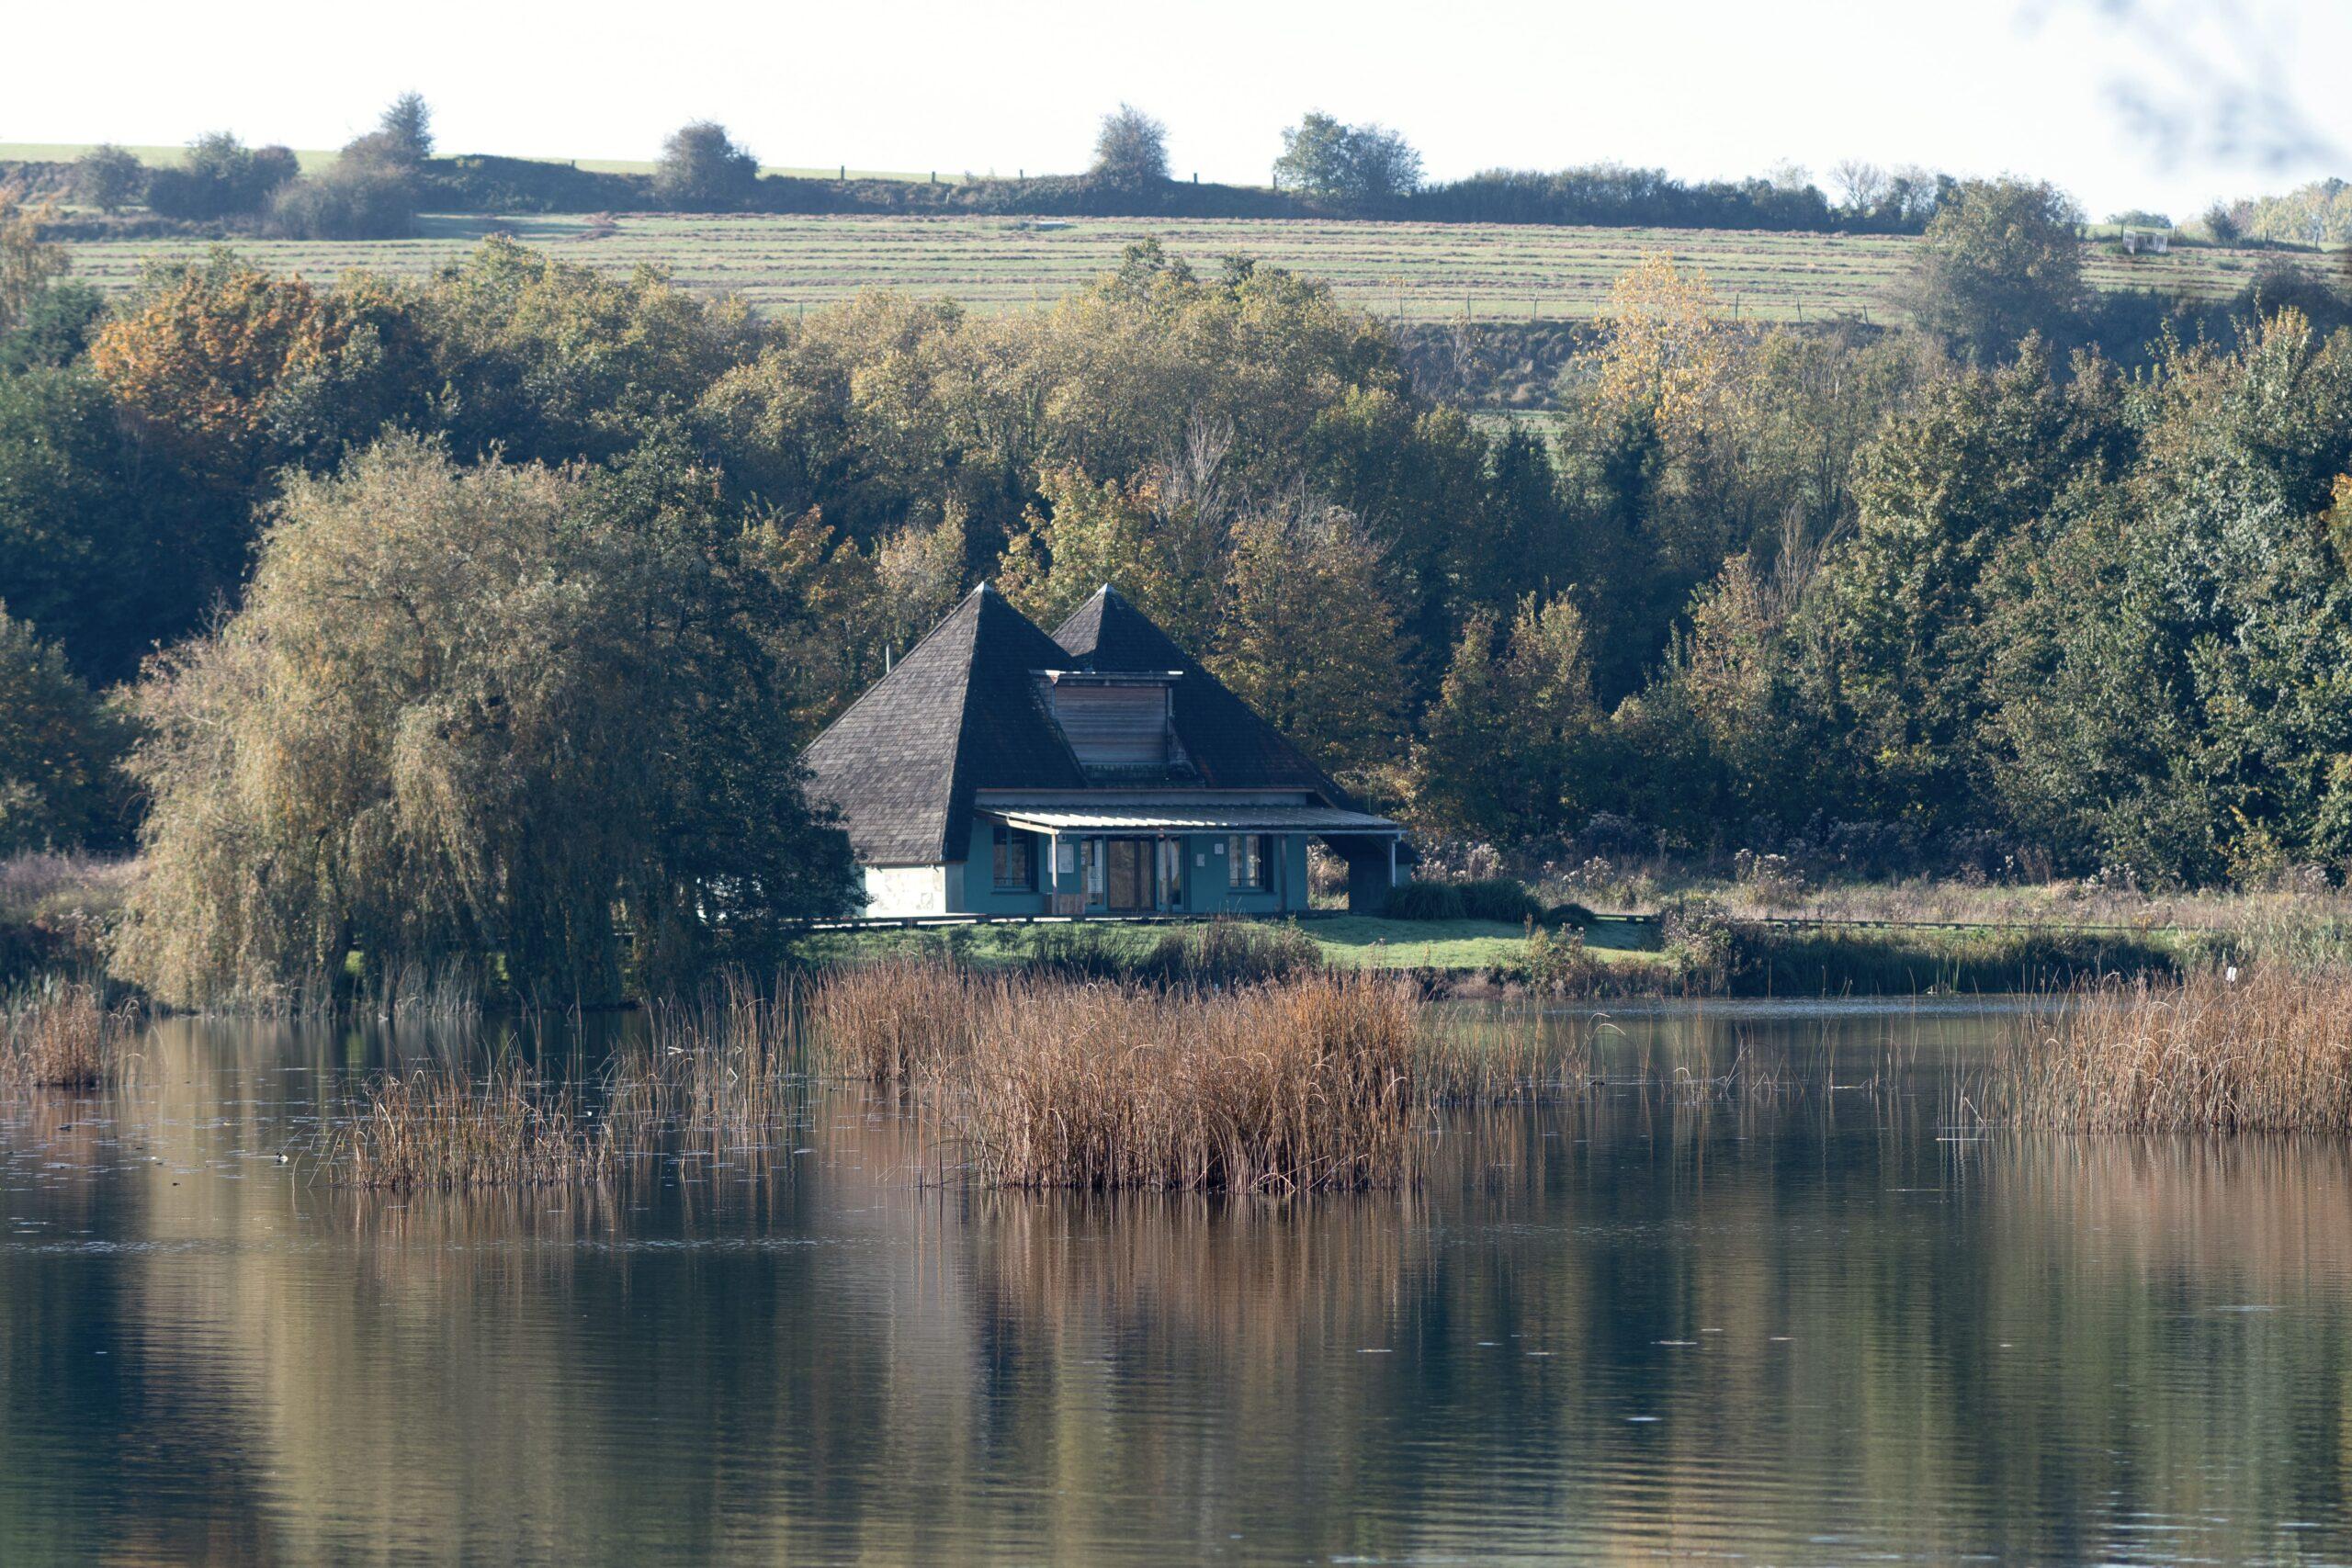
(1179,816)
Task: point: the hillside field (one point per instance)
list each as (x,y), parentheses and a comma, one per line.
(1414,272)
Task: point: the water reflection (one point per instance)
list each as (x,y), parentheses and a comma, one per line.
(1791,1321)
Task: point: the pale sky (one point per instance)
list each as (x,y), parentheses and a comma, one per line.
(1701,87)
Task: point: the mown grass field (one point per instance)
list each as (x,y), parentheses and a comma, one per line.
(1412,271)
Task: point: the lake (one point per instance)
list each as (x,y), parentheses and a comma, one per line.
(1818,1320)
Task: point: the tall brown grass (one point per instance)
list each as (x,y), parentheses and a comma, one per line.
(1296,1085)
(2266,1049)
(712,1069)
(441,1126)
(1509,1055)
(59,1035)
(901,1018)
(1299,1085)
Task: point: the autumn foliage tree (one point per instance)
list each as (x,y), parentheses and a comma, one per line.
(488,717)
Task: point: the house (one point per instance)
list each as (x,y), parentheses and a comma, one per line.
(1100,770)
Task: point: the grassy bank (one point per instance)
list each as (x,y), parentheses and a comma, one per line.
(1616,957)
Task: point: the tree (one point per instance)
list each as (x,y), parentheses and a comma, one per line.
(372,192)
(198,360)
(406,129)
(54,328)
(2001,261)
(1357,163)
(59,749)
(26,261)
(702,168)
(1504,745)
(1131,149)
(85,548)
(1156,545)
(1863,186)
(499,715)
(2175,691)
(1311,642)
(1315,157)
(109,177)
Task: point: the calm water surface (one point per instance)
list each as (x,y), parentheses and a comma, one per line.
(1815,1327)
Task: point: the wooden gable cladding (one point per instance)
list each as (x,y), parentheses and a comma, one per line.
(1113,722)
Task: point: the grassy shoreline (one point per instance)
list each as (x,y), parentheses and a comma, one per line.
(1625,958)
(55,910)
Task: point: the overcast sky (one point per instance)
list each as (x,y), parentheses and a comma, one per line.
(1701,87)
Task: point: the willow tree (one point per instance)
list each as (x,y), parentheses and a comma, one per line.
(506,717)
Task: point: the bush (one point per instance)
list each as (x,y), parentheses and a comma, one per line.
(1232,953)
(366,202)
(1559,965)
(702,168)
(1700,943)
(1498,899)
(220,177)
(1425,901)
(109,177)
(1488,898)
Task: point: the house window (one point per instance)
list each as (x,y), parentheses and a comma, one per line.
(1016,859)
(1250,861)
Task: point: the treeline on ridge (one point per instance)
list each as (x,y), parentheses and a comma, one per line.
(382,180)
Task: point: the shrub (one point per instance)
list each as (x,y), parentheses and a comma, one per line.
(109,177)
(1558,965)
(1231,952)
(1425,901)
(360,202)
(220,177)
(60,748)
(1701,941)
(701,167)
(1498,899)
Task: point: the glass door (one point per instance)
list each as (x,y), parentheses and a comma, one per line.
(1171,874)
(1127,876)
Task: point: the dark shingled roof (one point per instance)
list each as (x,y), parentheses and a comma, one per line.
(961,712)
(1228,744)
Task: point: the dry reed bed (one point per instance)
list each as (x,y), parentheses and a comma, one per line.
(1300,1085)
(2264,1050)
(441,1126)
(713,1070)
(60,1035)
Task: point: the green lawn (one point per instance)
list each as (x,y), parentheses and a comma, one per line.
(1409,271)
(1347,941)
(1360,941)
